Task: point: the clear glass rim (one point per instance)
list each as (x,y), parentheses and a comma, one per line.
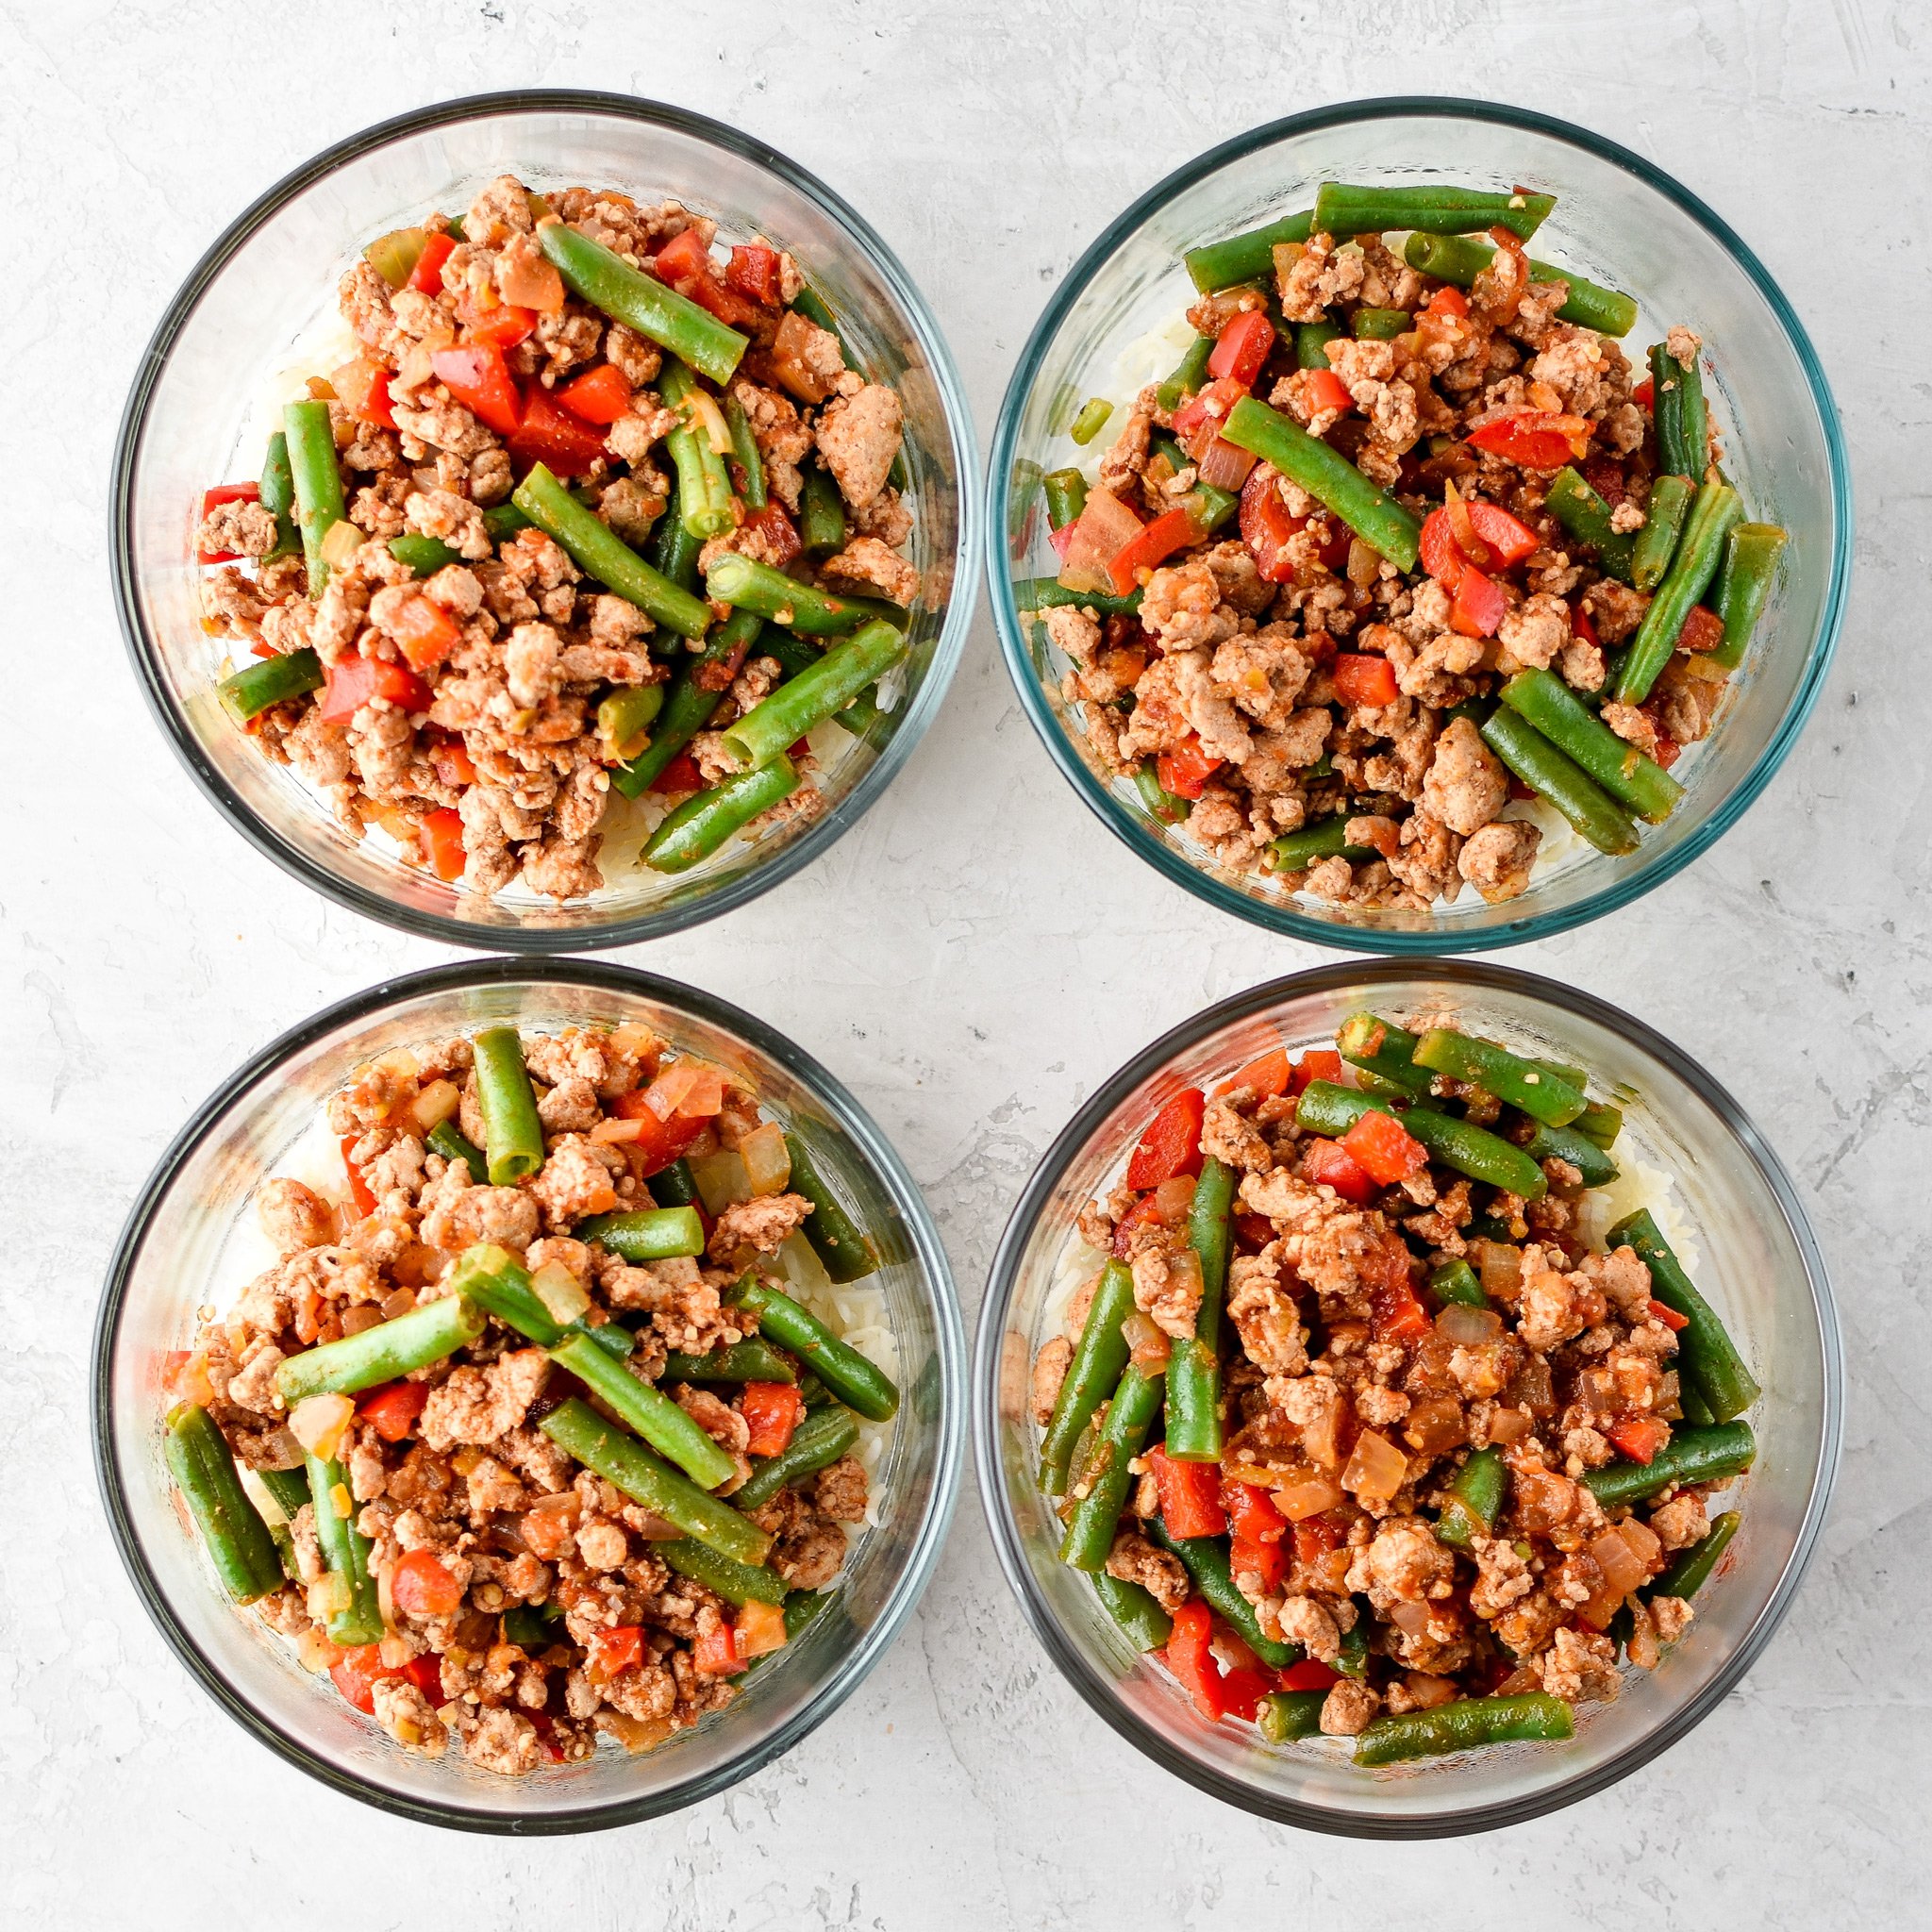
(816,839)
(851,1118)
(1285,918)
(1097,1691)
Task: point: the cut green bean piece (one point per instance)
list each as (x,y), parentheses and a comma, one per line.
(1330,1111)
(1706,1353)
(237,1539)
(1353,1660)
(1092,1374)
(1691,1456)
(674,550)
(737,1583)
(1324,838)
(1521,1083)
(1342,210)
(259,686)
(745,453)
(749,585)
(1752,552)
(817,1442)
(1285,1716)
(1572,1144)
(1066,497)
(605,280)
(1311,340)
(1328,477)
(820,515)
(1455,1281)
(1379,325)
(703,823)
(1091,420)
(1693,1411)
(1663,527)
(646,1234)
(1194,1370)
(533,1627)
(694,699)
(1140,1620)
(1475,1499)
(704,488)
(1585,516)
(512,1134)
(858,1383)
(318,482)
(278,496)
(424,554)
(1627,774)
(426,1334)
(1464,1725)
(1206,1560)
(344,1554)
(1044,593)
(499,1284)
(835,1237)
(627,714)
(288,1487)
(674,1186)
(1119,1440)
(1592,813)
(1716,509)
(1602,1123)
(1244,258)
(1160,802)
(815,694)
(1379,1046)
(1678,410)
(735,1362)
(1190,374)
(621,1458)
(1691,1570)
(1459,258)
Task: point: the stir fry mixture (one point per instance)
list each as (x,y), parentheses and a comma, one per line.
(1469,563)
(474,557)
(518,1440)
(1363,1428)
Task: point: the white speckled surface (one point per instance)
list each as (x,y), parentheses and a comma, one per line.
(980,954)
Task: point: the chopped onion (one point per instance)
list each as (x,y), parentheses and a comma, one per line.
(1462,525)
(329,1596)
(1510,1425)
(1622,1569)
(1410,1619)
(1519,1680)
(638,1042)
(1184,1275)
(341,544)
(613,1133)
(1364,563)
(264,1498)
(319,1423)
(634,1734)
(1426,1691)
(399,1302)
(1645,1545)
(1500,1267)
(436,1104)
(561,1292)
(689,1087)
(1148,1345)
(386,1608)
(314,1652)
(1306,1499)
(767,1160)
(361,1318)
(651,1526)
(190,1383)
(707,416)
(529,283)
(1376,1468)
(721,1180)
(1172,1200)
(1471,1327)
(1224,466)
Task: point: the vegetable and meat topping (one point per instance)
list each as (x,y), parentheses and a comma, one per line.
(1472,558)
(474,557)
(522,1440)
(1368,1426)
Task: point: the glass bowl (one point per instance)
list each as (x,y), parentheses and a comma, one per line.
(1619,220)
(1757,1261)
(194,419)
(173,1245)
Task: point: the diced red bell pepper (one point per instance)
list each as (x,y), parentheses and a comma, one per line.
(425,1670)
(1264,1076)
(1266,1563)
(427,277)
(425,632)
(1701,630)
(352,681)
(359,1189)
(614,1651)
(1396,1314)
(1318,1063)
(779,535)
(1327,390)
(1668,1316)
(449,757)
(211,500)
(1448,301)
(442,839)
(1639,1437)
(1242,347)
(1330,1165)
(1172,1145)
(1644,393)
(391,1410)
(357,1672)
(1189,1496)
(1251,1513)
(716,1653)
(1385,1149)
(504,323)
(1508,540)
(753,272)
(1536,439)
(1266,525)
(686,264)
(475,374)
(1309,1674)
(1363,679)
(680,777)
(1185,769)
(363,388)
(1139,1215)
(1191,1661)
(660,1142)
(1173,530)
(1580,622)
(1242,1692)
(551,435)
(1479,606)
(421,1586)
(600,396)
(1316,1537)
(1208,407)
(774,1409)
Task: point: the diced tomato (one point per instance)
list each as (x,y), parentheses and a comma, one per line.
(391,1410)
(1254,1232)
(1309,1674)
(1448,301)
(213,499)
(1668,1316)
(1185,769)
(1173,530)
(1315,1537)
(358,1188)
(1172,1145)
(1580,622)
(1242,347)
(357,1672)
(774,1409)
(427,277)
(760,1630)
(1264,1076)
(1139,1215)
(1330,1165)
(502,324)
(1508,540)
(352,681)
(550,435)
(449,757)
(442,839)
(1385,1149)
(427,633)
(1396,1314)
(779,535)
(1192,1662)
(601,396)
(1639,1437)
(1644,393)
(1479,606)
(1189,1496)
(1251,1513)
(1364,680)
(1208,407)
(716,1652)
(680,776)
(363,388)
(1318,1063)
(753,272)
(1327,390)
(1701,630)
(425,1670)
(686,264)
(613,1652)
(1537,438)
(421,1586)
(475,374)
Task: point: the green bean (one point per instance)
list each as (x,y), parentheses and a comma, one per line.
(259,686)
(1118,1440)
(1328,477)
(1750,569)
(835,1237)
(1330,1111)
(812,697)
(597,549)
(1207,507)
(688,708)
(1570,1143)
(1140,1620)
(1311,340)
(1459,258)
(1663,525)
(820,515)
(1044,593)
(424,554)
(288,1487)
(674,1186)
(1093,1372)
(1691,1570)
(1286,1715)
(1585,516)
(532,1627)
(276,494)
(1189,374)
(673,550)
(817,1442)
(1519,1083)
(1455,1281)
(646,1234)
(1691,1408)
(499,1284)
(703,823)
(704,488)
(512,1134)
(1352,1660)
(344,1554)
(748,585)
(737,1583)
(1379,325)
(1244,258)
(1636,781)
(1341,210)
(1683,423)
(1590,811)
(605,280)
(1206,1559)
(745,453)
(1066,497)
(1379,1046)
(1323,839)
(318,481)
(1194,1373)
(735,1362)
(621,1458)
(237,1539)
(627,714)
(1706,1352)
(1475,1499)
(426,1334)
(1601,1123)
(1091,420)
(1160,802)
(858,1383)
(1464,1725)
(503,520)
(1712,514)
(1691,1456)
